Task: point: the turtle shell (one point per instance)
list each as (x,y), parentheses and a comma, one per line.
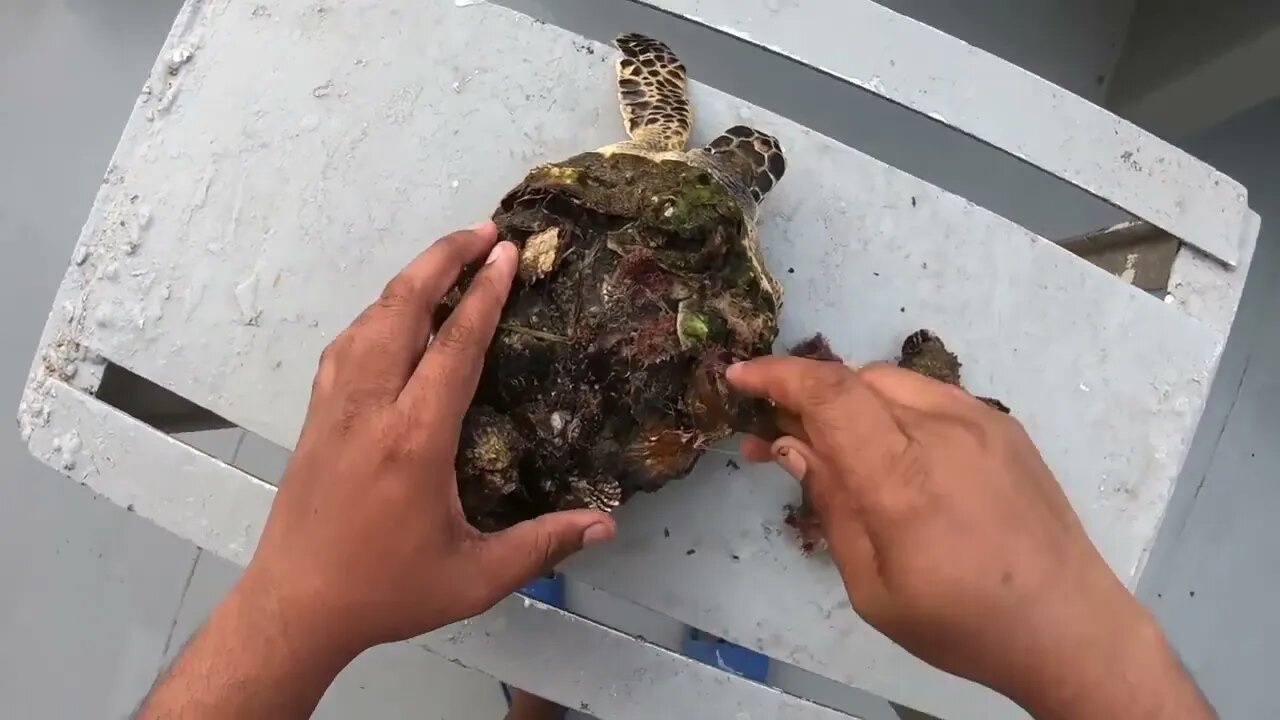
(605,377)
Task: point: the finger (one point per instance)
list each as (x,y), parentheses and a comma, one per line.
(509,559)
(839,412)
(755,450)
(450,369)
(839,516)
(806,467)
(791,382)
(910,388)
(389,337)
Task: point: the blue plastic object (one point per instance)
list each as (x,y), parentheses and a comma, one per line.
(548,590)
(720,653)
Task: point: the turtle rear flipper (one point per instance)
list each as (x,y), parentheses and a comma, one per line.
(652,94)
(748,157)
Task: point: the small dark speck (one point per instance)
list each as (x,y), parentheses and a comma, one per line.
(902,309)
(791,271)
(584,707)
(1192,593)
(690,551)
(1102,79)
(924,266)
(1159,595)
(876,274)
(732,465)
(1253,454)
(666,532)
(735,558)
(129,507)
(913,201)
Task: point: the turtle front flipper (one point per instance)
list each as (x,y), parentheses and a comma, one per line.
(652,94)
(923,352)
(748,159)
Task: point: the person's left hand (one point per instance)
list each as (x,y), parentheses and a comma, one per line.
(367,542)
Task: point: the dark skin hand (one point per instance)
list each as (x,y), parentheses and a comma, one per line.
(951,535)
(366,542)
(955,540)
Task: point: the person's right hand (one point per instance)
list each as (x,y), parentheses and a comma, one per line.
(955,540)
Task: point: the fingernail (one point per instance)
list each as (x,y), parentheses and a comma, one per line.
(792,462)
(597,534)
(497,252)
(482,226)
(733,370)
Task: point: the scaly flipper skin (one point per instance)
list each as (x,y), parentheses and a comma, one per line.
(749,157)
(923,352)
(652,94)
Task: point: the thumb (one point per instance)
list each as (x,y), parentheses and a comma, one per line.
(828,515)
(514,556)
(821,484)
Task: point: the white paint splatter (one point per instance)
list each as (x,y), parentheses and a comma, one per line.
(105,316)
(247,298)
(172,89)
(82,254)
(459,85)
(65,448)
(310,122)
(468,3)
(180,56)
(875,84)
(1130,268)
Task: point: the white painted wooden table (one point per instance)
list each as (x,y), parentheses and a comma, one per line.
(286,158)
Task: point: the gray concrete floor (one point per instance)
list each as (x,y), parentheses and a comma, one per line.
(95,601)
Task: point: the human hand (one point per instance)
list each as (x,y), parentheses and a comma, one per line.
(955,540)
(367,542)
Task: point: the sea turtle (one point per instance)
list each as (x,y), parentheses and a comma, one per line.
(640,280)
